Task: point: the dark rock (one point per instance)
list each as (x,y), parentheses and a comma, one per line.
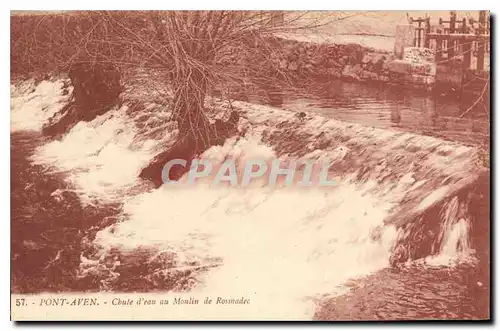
(96,89)
(301,115)
(187,148)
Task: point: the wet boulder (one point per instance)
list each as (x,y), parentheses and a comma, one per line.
(187,148)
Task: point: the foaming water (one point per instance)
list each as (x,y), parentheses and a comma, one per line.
(454,237)
(104,156)
(32,105)
(283,248)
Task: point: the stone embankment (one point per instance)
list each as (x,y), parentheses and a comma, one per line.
(354,62)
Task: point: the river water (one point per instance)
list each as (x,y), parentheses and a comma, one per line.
(453,292)
(439,114)
(82,220)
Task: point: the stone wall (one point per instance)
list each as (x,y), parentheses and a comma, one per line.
(355,62)
(348,61)
(417,67)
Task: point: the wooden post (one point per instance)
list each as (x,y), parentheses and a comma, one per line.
(452,43)
(427,31)
(467,50)
(419,31)
(461,44)
(480,51)
(439,49)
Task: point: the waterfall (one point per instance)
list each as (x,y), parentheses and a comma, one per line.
(398,199)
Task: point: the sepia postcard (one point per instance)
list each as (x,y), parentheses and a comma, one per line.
(250,165)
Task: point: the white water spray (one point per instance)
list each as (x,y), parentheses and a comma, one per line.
(281,247)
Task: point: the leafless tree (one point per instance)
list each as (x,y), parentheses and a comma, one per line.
(197,52)
(193,52)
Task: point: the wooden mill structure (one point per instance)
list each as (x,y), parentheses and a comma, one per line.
(455,38)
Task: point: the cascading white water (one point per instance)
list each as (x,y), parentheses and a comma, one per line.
(283,248)
(103,156)
(454,236)
(277,246)
(32,105)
